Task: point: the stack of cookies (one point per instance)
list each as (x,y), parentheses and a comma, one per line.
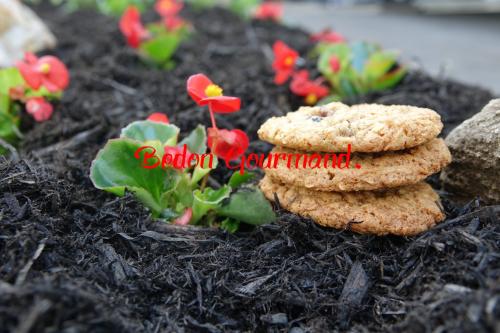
(392,150)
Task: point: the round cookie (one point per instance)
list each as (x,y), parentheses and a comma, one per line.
(402,211)
(377,170)
(366,127)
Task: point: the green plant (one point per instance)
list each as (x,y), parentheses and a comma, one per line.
(358,68)
(28,86)
(176,191)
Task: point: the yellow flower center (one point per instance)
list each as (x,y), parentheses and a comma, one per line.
(311,99)
(44,68)
(289,61)
(213,90)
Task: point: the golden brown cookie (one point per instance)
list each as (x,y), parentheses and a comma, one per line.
(377,170)
(402,211)
(366,127)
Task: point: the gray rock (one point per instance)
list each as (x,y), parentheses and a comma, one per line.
(475,148)
(21,30)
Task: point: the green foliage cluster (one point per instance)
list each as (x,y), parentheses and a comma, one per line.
(363,68)
(169,191)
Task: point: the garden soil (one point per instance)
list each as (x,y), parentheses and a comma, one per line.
(76,259)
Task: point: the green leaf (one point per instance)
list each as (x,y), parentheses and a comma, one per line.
(9,127)
(230,225)
(208,200)
(146,130)
(196,140)
(115,169)
(329,99)
(238,179)
(202,169)
(161,48)
(10,78)
(379,64)
(250,206)
(243,8)
(390,79)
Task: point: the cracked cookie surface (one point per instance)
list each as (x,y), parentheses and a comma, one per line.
(366,127)
(402,211)
(377,170)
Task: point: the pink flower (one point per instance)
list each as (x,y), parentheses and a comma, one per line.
(132,28)
(327,36)
(284,61)
(269,10)
(334,64)
(47,71)
(39,108)
(312,91)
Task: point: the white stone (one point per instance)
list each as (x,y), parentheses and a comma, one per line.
(21,30)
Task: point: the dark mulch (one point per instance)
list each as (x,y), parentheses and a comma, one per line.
(75,259)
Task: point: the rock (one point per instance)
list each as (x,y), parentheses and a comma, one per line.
(475,148)
(21,30)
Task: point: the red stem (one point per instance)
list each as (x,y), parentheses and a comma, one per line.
(212,116)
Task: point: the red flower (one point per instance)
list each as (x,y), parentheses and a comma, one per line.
(132,28)
(284,61)
(158,117)
(327,36)
(184,218)
(204,92)
(311,90)
(269,10)
(167,8)
(334,64)
(39,108)
(47,71)
(227,144)
(179,157)
(173,23)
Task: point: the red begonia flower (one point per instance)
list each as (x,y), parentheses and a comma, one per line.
(168,7)
(132,28)
(47,71)
(334,64)
(284,61)
(179,163)
(227,144)
(158,117)
(204,92)
(185,218)
(327,36)
(39,108)
(173,23)
(269,10)
(312,91)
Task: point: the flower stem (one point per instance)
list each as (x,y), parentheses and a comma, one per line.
(212,116)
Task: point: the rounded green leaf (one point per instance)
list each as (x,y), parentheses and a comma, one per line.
(116,168)
(146,130)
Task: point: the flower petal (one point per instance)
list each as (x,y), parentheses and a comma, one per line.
(227,144)
(39,108)
(185,218)
(196,85)
(222,104)
(32,78)
(159,118)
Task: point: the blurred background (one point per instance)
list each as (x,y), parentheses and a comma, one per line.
(458,39)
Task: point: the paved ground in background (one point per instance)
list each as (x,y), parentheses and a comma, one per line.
(463,47)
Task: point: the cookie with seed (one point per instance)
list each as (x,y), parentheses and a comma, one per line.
(366,127)
(402,211)
(367,171)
